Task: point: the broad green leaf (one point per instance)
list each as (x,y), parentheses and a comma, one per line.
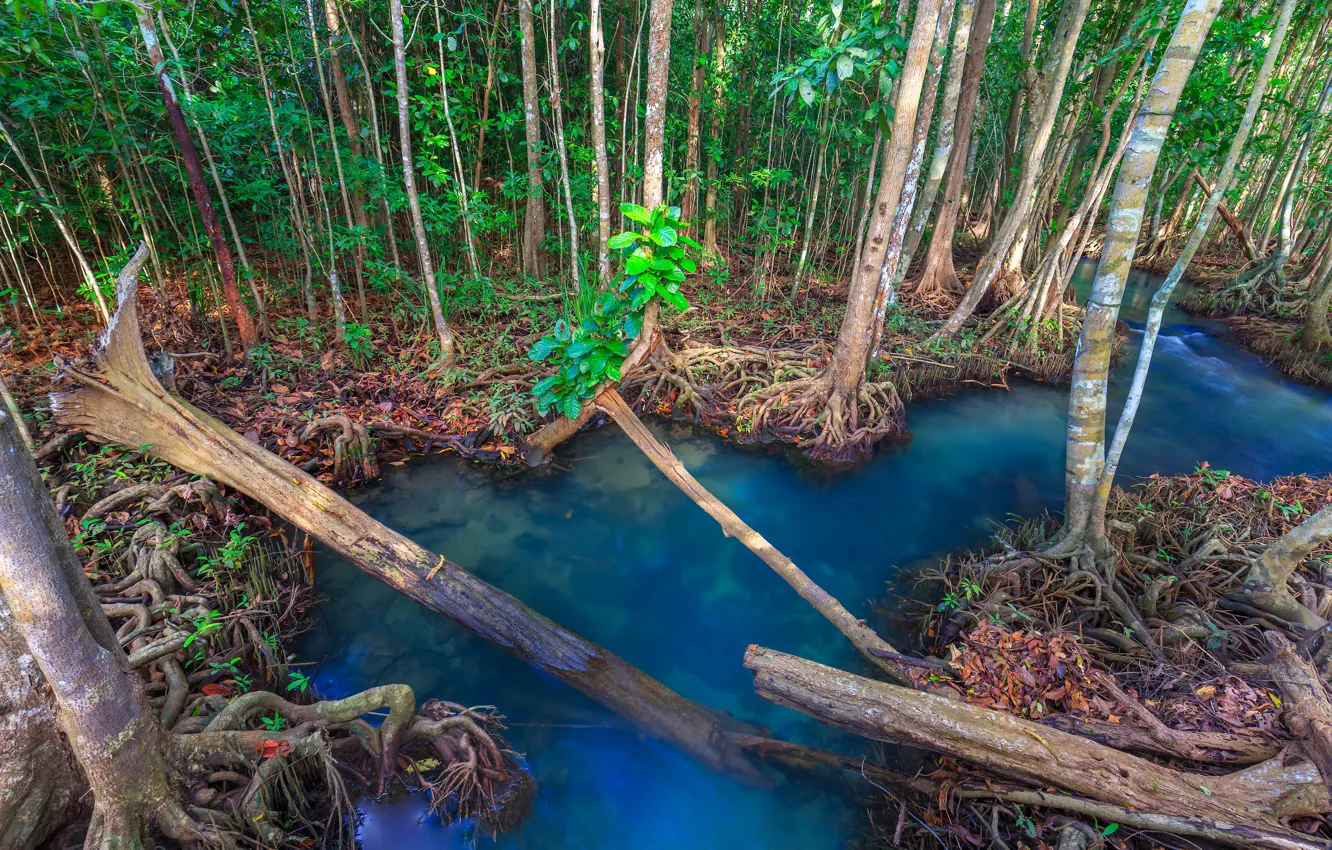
(622,240)
(541,350)
(665,236)
(806,92)
(636,213)
(637,264)
(572,406)
(846,66)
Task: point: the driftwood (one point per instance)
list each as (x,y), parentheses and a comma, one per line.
(862,637)
(1247,808)
(122,402)
(1308,713)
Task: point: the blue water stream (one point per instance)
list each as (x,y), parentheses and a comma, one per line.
(610,549)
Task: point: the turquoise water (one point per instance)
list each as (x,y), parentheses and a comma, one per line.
(607,547)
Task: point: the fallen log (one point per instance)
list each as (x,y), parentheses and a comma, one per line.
(1245,809)
(862,637)
(1308,714)
(121,401)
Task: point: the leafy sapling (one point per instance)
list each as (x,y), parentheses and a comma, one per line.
(590,352)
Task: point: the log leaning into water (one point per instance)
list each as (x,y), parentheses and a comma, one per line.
(1246,808)
(862,637)
(122,402)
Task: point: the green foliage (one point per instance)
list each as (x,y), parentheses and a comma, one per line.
(588,351)
(360,344)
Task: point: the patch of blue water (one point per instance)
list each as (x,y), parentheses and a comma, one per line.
(613,551)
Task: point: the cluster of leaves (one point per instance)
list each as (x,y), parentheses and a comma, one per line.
(590,351)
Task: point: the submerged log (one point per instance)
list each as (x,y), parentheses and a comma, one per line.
(121,401)
(1247,808)
(862,637)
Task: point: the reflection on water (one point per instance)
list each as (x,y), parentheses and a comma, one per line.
(613,551)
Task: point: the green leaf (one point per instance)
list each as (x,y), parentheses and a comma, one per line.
(636,213)
(846,66)
(675,299)
(580,348)
(613,370)
(596,362)
(542,349)
(617,347)
(633,323)
(688,265)
(572,406)
(691,243)
(637,264)
(544,385)
(837,10)
(665,236)
(806,92)
(1109,830)
(622,240)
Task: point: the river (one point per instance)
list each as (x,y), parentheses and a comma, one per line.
(607,547)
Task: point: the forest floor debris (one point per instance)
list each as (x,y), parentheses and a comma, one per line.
(1011,630)
(380,398)
(206,590)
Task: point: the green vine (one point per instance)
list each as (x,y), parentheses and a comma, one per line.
(589,351)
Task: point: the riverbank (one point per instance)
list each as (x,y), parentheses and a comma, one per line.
(1037,637)
(208,591)
(1267,322)
(338,410)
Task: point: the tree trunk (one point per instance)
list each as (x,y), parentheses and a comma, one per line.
(847,369)
(1161,298)
(194,169)
(944,137)
(697,78)
(939,274)
(124,403)
(446,350)
(895,261)
(534,219)
(597,52)
(47,600)
(1091,367)
(1243,809)
(557,110)
(1058,65)
(716,119)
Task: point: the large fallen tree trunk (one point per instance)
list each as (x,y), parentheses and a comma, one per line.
(1246,808)
(862,637)
(122,402)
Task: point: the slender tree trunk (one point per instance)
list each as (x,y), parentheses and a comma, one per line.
(944,137)
(939,274)
(716,120)
(597,54)
(446,347)
(534,219)
(847,370)
(697,79)
(1091,367)
(202,199)
(894,263)
(72,242)
(1161,298)
(246,269)
(557,110)
(455,150)
(353,130)
(1058,65)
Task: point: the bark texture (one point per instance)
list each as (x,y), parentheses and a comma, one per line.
(1085,442)
(1243,809)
